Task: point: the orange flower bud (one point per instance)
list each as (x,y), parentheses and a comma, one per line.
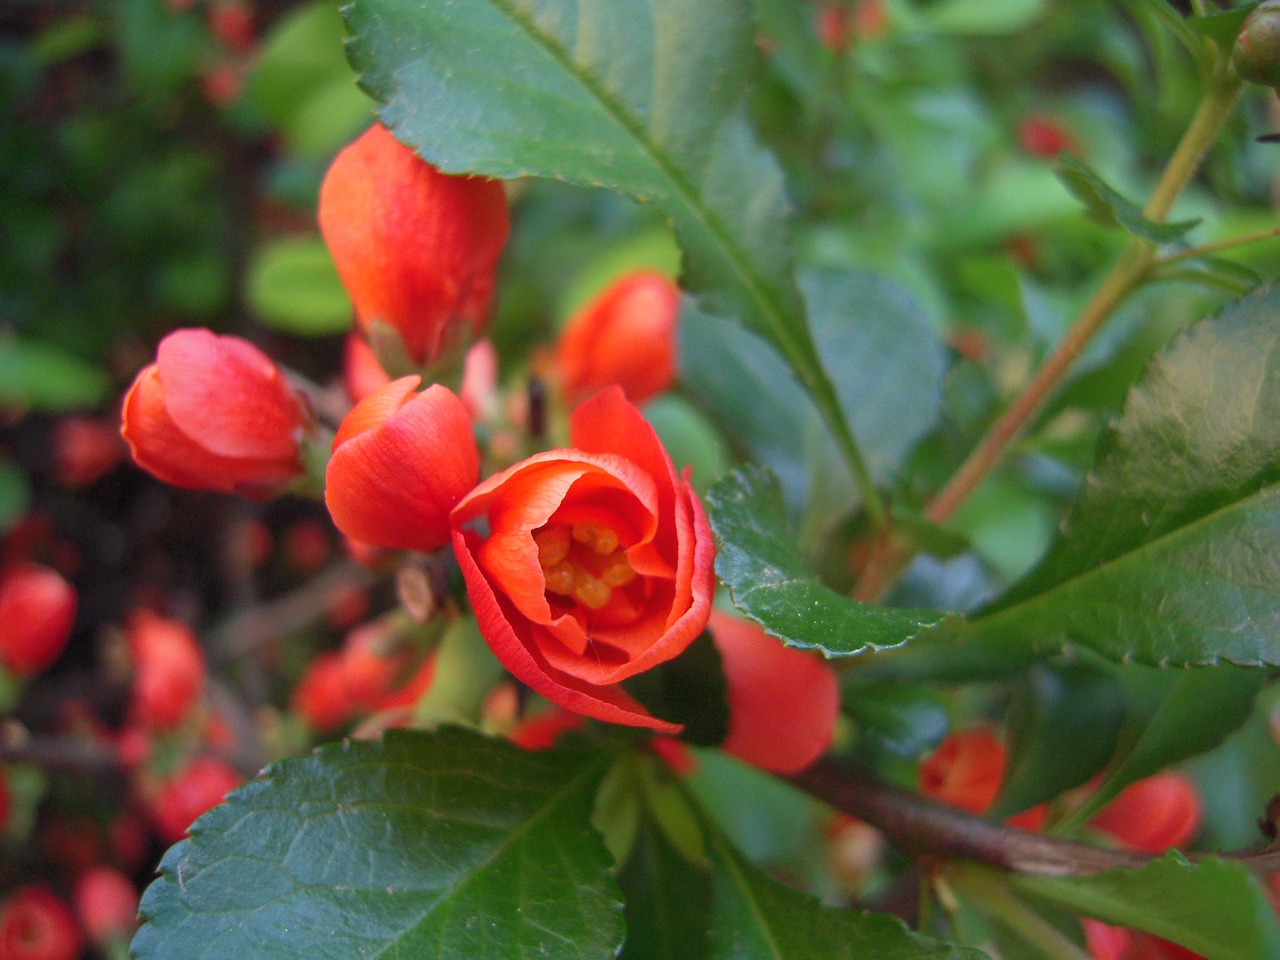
(199,786)
(35,924)
(1044,137)
(783,702)
(588,565)
(965,771)
(214,413)
(627,336)
(416,249)
(1154,814)
(401,460)
(84,449)
(168,667)
(37,610)
(107,904)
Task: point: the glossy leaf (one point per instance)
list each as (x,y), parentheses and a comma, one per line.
(1110,208)
(756,918)
(1168,556)
(1214,907)
(603,94)
(668,900)
(771,583)
(450,845)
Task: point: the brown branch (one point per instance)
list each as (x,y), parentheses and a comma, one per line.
(931,831)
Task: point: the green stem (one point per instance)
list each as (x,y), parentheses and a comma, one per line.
(1129,271)
(1218,246)
(994,898)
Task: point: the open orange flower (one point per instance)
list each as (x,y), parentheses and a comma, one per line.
(588,565)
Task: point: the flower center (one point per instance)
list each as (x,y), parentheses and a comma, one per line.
(582,561)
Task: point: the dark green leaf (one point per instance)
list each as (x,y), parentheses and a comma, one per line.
(15,494)
(294,287)
(1222,28)
(1214,907)
(604,94)
(877,348)
(1170,715)
(668,900)
(1110,208)
(1169,554)
(450,846)
(770,581)
(42,377)
(1062,725)
(898,719)
(690,690)
(757,918)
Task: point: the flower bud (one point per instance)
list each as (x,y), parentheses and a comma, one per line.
(199,786)
(107,904)
(36,925)
(416,249)
(401,461)
(214,413)
(965,771)
(37,610)
(84,449)
(627,336)
(1154,814)
(1256,55)
(168,670)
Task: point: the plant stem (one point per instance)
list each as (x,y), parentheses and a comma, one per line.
(994,898)
(1129,271)
(1205,249)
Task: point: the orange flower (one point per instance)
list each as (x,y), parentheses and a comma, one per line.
(783,702)
(1154,814)
(401,460)
(627,336)
(588,565)
(965,771)
(37,610)
(214,413)
(416,249)
(168,670)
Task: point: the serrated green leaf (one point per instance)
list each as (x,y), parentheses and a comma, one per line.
(448,845)
(294,287)
(1062,721)
(770,581)
(42,377)
(668,900)
(1168,555)
(1170,715)
(1214,907)
(1110,208)
(606,94)
(756,918)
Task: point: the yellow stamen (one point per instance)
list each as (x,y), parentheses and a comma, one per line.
(617,572)
(599,537)
(590,591)
(561,578)
(553,546)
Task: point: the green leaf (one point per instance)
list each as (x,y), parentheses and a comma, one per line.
(898,719)
(1214,907)
(294,287)
(668,900)
(449,845)
(1062,725)
(606,94)
(689,690)
(983,18)
(41,377)
(15,494)
(1222,28)
(1170,715)
(757,918)
(1168,555)
(876,346)
(1110,208)
(759,562)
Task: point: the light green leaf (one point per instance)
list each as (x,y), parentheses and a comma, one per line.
(756,918)
(42,377)
(452,846)
(294,287)
(1214,907)
(770,581)
(1168,556)
(1110,208)
(981,17)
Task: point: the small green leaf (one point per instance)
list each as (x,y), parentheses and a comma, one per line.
(1214,907)
(756,918)
(1168,555)
(771,583)
(41,377)
(983,18)
(293,287)
(449,845)
(1062,725)
(1110,208)
(1222,28)
(668,900)
(466,671)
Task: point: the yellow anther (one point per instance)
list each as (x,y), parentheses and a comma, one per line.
(590,591)
(553,546)
(617,572)
(599,537)
(561,578)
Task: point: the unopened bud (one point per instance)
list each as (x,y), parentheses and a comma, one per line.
(1256,56)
